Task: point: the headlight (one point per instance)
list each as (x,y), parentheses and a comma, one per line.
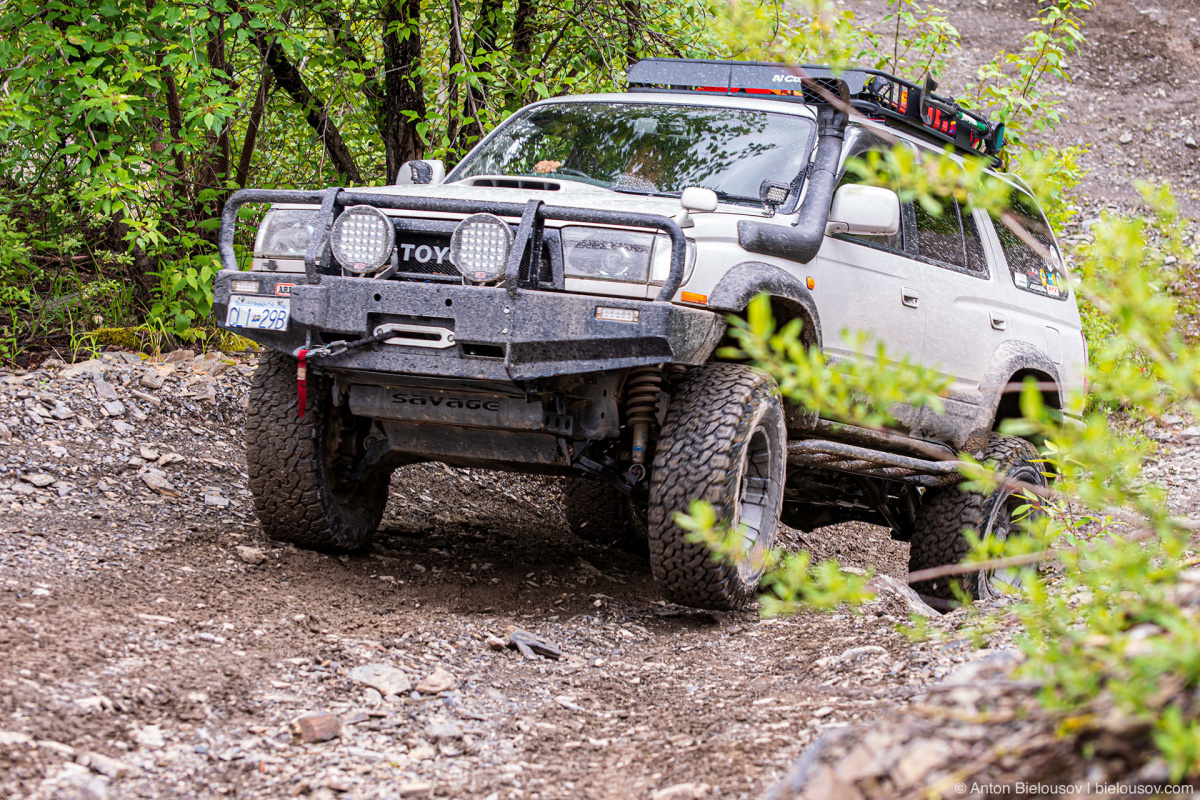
(285,233)
(661,266)
(480,247)
(607,253)
(362,239)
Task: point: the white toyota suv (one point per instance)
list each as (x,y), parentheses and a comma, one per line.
(554,305)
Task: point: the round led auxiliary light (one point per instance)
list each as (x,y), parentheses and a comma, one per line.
(362,239)
(480,247)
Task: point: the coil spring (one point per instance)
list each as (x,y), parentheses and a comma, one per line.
(641,394)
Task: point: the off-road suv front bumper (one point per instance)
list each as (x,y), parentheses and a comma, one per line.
(477,332)
(520,329)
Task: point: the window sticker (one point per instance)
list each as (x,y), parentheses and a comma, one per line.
(1031,272)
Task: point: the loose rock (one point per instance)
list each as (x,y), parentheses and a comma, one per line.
(388,680)
(150,737)
(40,479)
(109,767)
(104,389)
(441,731)
(682,791)
(15,739)
(436,682)
(531,645)
(251,555)
(158,482)
(886,587)
(316,727)
(93,367)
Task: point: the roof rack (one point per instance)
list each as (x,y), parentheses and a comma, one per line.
(876,94)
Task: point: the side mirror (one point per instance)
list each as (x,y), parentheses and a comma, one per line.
(864,211)
(695,198)
(421,172)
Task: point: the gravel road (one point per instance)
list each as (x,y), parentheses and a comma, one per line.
(152,644)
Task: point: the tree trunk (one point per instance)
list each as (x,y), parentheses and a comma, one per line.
(175,121)
(141,273)
(403,87)
(213,169)
(487,32)
(290,79)
(252,124)
(634,24)
(372,90)
(522,42)
(522,37)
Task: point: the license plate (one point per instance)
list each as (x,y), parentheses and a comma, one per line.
(264,313)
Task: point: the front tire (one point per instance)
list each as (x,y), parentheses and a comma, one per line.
(945,513)
(299,495)
(723,441)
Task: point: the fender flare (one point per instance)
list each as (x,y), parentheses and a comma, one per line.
(970,415)
(1009,358)
(745,281)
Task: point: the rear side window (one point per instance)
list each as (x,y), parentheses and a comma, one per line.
(1030,270)
(949,238)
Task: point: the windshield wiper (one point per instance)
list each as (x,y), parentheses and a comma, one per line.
(737,197)
(724,196)
(720,196)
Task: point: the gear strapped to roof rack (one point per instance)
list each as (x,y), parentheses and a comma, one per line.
(876,94)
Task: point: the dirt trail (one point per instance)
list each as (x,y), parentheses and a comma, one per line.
(133,626)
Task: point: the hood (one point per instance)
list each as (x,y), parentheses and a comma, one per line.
(550,190)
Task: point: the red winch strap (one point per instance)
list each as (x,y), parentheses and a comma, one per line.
(301,379)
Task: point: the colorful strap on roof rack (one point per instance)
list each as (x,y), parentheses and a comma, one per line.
(874,93)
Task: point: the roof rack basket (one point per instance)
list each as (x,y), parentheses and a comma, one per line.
(878,95)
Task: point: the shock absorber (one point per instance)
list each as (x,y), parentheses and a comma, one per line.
(641,405)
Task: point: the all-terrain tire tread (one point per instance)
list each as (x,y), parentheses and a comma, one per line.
(595,511)
(288,479)
(709,421)
(945,513)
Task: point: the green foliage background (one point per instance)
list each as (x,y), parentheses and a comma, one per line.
(124,125)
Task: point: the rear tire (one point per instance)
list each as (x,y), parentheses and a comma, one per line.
(601,514)
(291,462)
(723,441)
(945,513)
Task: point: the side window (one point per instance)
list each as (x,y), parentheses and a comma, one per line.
(940,236)
(1030,270)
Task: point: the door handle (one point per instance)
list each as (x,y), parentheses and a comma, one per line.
(998,321)
(909,297)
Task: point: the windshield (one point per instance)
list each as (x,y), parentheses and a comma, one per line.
(648,148)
